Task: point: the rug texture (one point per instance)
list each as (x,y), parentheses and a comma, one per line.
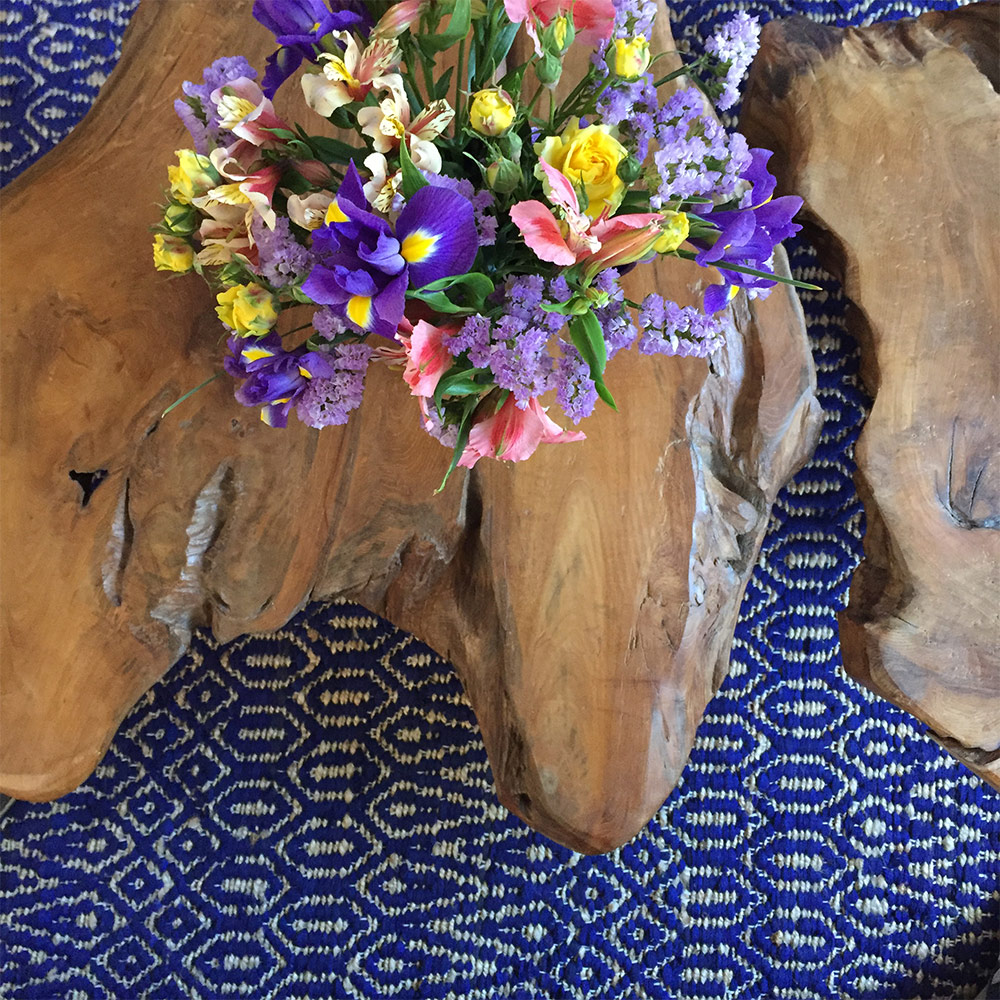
(311,814)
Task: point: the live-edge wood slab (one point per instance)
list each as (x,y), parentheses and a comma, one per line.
(587,597)
(891,134)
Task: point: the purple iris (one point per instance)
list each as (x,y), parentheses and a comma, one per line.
(365,267)
(271,377)
(748,234)
(298,26)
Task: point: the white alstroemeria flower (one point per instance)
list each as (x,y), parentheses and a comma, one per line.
(353,75)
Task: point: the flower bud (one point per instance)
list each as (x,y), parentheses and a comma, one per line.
(503,176)
(249,310)
(559,35)
(192,178)
(491,112)
(629,170)
(631,59)
(171,253)
(675,228)
(548,69)
(181,219)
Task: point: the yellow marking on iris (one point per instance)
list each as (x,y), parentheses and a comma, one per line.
(277,401)
(359,310)
(305,373)
(418,246)
(733,292)
(334,213)
(256,353)
(265,416)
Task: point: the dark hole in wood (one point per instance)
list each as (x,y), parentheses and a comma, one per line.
(88,482)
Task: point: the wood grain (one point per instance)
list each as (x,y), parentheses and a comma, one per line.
(891,134)
(587,597)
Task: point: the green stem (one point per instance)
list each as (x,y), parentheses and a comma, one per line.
(724,265)
(188,394)
(459,81)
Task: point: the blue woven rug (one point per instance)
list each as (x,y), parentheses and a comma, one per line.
(310,814)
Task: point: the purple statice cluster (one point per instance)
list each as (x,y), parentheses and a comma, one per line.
(196,109)
(734,45)
(634,17)
(282,260)
(328,401)
(632,107)
(696,157)
(668,328)
(616,321)
(482,201)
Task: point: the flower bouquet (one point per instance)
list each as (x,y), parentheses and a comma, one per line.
(474,225)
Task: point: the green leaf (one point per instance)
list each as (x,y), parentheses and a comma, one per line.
(588,338)
(413,179)
(280,133)
(458,28)
(464,426)
(440,302)
(473,289)
(329,148)
(460,381)
(443,85)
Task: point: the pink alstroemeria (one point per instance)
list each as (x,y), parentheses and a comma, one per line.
(513,434)
(577,237)
(399,17)
(224,234)
(246,112)
(255,189)
(427,357)
(593,20)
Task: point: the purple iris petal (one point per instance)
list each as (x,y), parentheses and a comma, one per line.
(298,26)
(442,227)
(322,287)
(355,282)
(760,178)
(388,305)
(385,256)
(351,189)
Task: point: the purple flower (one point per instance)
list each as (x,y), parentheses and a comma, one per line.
(734,46)
(328,400)
(696,157)
(365,267)
(748,235)
(271,377)
(197,110)
(282,260)
(669,329)
(298,26)
(575,389)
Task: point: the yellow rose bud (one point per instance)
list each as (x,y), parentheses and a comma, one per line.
(563,33)
(193,178)
(491,112)
(503,176)
(247,309)
(171,253)
(631,58)
(589,158)
(181,219)
(675,231)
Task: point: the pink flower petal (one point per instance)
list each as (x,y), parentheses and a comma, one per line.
(541,232)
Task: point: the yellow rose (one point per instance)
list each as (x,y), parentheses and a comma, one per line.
(171,253)
(631,58)
(491,112)
(589,158)
(247,309)
(193,178)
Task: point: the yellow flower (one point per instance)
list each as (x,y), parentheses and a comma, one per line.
(675,229)
(194,177)
(631,58)
(589,158)
(247,309)
(491,111)
(171,253)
